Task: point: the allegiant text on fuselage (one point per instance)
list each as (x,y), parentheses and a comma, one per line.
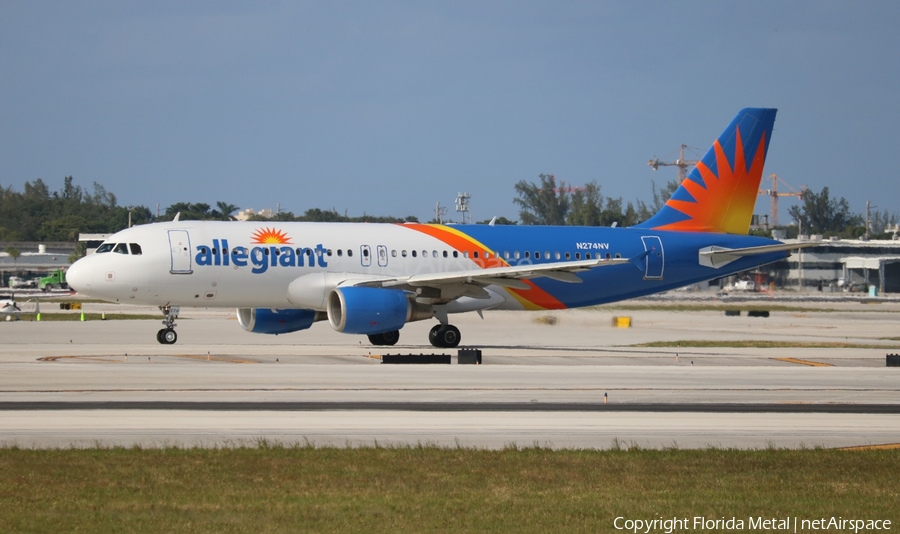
(260,257)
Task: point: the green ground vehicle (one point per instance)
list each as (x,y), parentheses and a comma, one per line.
(56,279)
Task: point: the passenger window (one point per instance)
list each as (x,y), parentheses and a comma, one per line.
(135,249)
(546,254)
(403,253)
(517,254)
(424,253)
(475,254)
(578,255)
(455,253)
(465,254)
(506,254)
(608,255)
(414,254)
(394,253)
(558,256)
(587,255)
(445,253)
(105,247)
(349,253)
(618,255)
(568,255)
(527,254)
(434,254)
(537,254)
(121,248)
(365,253)
(340,253)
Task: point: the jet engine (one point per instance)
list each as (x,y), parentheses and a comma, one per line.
(269,321)
(371,310)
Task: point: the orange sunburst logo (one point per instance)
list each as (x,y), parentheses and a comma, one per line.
(726,202)
(270,236)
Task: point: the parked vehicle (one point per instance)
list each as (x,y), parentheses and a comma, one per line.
(56,279)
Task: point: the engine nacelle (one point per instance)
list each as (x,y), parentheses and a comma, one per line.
(268,321)
(372,310)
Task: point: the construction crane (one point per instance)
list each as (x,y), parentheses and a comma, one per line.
(774,193)
(682,164)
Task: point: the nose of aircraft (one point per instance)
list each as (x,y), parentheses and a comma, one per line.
(79,276)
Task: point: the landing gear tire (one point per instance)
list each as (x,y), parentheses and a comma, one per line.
(167,336)
(444,336)
(386,338)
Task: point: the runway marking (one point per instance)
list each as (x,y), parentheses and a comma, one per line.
(212,358)
(120,359)
(86,358)
(368,406)
(419,389)
(882,447)
(804,362)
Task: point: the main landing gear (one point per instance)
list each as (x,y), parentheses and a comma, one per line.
(167,335)
(387,338)
(444,336)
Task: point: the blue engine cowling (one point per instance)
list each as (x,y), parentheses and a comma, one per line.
(372,310)
(268,321)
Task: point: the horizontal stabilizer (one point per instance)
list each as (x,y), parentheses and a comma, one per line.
(718,256)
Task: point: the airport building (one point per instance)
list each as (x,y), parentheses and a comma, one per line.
(841,265)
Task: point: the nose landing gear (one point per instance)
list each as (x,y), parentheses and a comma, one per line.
(167,335)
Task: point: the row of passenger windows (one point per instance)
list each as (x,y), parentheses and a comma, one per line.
(515,255)
(120,248)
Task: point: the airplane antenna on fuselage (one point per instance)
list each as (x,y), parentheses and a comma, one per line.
(177,216)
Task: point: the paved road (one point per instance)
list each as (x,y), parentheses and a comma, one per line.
(110,383)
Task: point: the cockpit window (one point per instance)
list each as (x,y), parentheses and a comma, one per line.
(105,247)
(121,248)
(135,249)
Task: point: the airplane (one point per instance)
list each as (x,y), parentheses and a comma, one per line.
(10,309)
(372,279)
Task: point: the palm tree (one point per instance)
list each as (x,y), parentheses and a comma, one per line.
(14,254)
(226,210)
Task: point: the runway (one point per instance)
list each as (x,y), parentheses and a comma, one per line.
(579,384)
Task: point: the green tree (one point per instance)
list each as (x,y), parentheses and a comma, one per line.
(501,221)
(661,195)
(544,203)
(199,211)
(14,253)
(586,206)
(226,209)
(821,214)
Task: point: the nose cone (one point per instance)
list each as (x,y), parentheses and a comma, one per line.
(79,276)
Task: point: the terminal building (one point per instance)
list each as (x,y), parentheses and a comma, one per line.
(840,265)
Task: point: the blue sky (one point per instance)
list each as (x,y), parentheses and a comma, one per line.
(389,107)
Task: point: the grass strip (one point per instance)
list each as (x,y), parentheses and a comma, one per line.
(760,344)
(425,489)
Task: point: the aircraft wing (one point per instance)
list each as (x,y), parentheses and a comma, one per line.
(507,276)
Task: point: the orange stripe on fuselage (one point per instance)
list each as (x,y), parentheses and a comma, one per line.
(530,299)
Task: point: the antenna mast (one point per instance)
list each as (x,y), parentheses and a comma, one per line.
(462,206)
